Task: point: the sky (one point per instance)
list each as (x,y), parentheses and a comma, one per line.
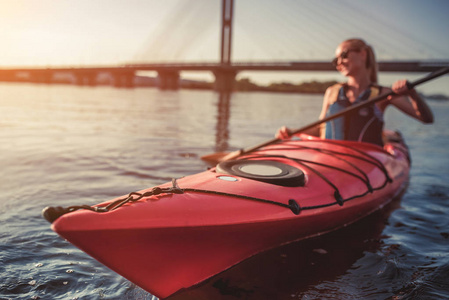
(54,33)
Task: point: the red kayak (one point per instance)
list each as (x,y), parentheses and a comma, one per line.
(176,235)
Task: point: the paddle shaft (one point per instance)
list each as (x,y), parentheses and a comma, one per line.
(349,109)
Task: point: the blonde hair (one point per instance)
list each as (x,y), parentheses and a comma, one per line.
(371,63)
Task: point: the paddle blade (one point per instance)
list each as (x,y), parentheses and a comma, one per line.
(218,157)
(214,158)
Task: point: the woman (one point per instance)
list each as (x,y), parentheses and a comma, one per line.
(355,60)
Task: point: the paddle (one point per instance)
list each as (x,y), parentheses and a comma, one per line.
(222,156)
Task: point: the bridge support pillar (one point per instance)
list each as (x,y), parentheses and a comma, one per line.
(86,78)
(123,79)
(224,80)
(168,80)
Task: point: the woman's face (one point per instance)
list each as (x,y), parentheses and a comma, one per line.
(349,59)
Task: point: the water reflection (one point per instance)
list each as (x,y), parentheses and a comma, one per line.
(223,115)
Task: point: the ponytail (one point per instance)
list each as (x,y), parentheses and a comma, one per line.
(371,63)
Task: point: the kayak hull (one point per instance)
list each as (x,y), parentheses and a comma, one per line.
(211,221)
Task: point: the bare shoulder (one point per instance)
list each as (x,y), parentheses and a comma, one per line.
(332,92)
(328,93)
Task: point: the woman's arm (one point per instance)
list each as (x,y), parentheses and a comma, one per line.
(409,101)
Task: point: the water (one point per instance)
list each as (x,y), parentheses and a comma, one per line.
(65,145)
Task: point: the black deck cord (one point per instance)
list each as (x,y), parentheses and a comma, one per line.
(175,189)
(334,154)
(52,213)
(292,204)
(372,160)
(365,180)
(304,163)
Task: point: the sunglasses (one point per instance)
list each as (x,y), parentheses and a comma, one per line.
(343,55)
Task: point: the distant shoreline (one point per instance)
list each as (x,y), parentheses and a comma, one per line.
(312,87)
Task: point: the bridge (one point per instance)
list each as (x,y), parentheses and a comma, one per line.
(169,73)
(224,71)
